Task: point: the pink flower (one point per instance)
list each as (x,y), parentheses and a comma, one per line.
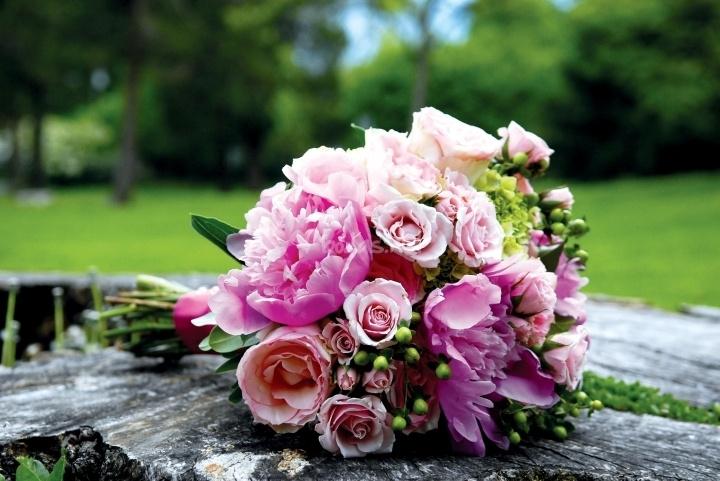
(334,174)
(341,340)
(347,378)
(523,185)
(377,382)
(354,427)
(285,378)
(303,257)
(532,330)
(525,381)
(570,301)
(461,305)
(520,140)
(465,404)
(567,361)
(477,235)
(394,171)
(410,379)
(374,309)
(561,197)
(450,143)
(386,265)
(188,307)
(536,290)
(415,231)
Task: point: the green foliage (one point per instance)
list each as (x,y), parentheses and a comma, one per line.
(224,343)
(33,470)
(640,399)
(214,230)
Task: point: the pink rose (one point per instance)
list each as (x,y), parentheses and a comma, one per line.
(341,340)
(347,378)
(415,231)
(390,266)
(302,259)
(536,291)
(374,309)
(561,197)
(520,140)
(533,330)
(477,235)
(354,427)
(377,382)
(334,174)
(285,378)
(570,301)
(449,143)
(567,362)
(394,171)
(188,307)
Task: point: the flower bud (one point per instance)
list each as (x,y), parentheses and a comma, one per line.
(361,358)
(443,371)
(577,227)
(403,335)
(557,215)
(560,432)
(520,418)
(399,423)
(557,228)
(514,437)
(420,406)
(596,405)
(520,159)
(381,363)
(411,355)
(544,164)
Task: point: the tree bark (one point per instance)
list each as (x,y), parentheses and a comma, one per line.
(125,170)
(36,173)
(422,58)
(15,167)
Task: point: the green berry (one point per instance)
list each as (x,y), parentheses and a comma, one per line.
(716,408)
(515,437)
(577,227)
(557,228)
(403,335)
(560,432)
(381,363)
(574,412)
(596,405)
(582,255)
(415,317)
(361,358)
(582,396)
(520,418)
(520,159)
(420,406)
(557,215)
(532,198)
(544,164)
(412,355)
(443,371)
(399,423)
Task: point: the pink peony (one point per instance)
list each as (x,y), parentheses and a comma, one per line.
(347,378)
(415,231)
(303,257)
(188,307)
(449,143)
(535,292)
(520,140)
(561,197)
(568,360)
(354,427)
(334,174)
(570,301)
(285,378)
(377,382)
(374,309)
(395,172)
(525,381)
(386,265)
(341,340)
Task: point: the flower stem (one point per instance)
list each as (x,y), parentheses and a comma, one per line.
(59,318)
(97,305)
(9,334)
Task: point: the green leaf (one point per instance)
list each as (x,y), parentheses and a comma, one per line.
(2,478)
(205,345)
(222,342)
(561,324)
(235,395)
(229,365)
(214,230)
(550,256)
(58,472)
(31,470)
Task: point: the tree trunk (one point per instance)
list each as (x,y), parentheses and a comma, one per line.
(15,167)
(125,170)
(422,58)
(36,174)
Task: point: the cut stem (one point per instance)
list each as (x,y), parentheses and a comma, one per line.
(59,318)
(98,305)
(9,335)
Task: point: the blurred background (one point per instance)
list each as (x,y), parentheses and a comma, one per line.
(120,117)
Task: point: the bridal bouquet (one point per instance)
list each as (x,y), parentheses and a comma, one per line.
(418,281)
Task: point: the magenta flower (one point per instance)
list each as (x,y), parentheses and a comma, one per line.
(570,301)
(188,307)
(386,265)
(525,381)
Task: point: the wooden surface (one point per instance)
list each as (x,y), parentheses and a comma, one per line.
(145,421)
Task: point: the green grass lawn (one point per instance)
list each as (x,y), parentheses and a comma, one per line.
(652,238)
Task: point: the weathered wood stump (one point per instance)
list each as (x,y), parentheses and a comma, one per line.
(122,418)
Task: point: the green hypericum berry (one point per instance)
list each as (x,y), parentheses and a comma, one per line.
(582,396)
(415,317)
(420,406)
(532,198)
(403,335)
(557,215)
(577,227)
(520,159)
(582,255)
(574,412)
(381,363)
(544,164)
(520,417)
(411,355)
(557,228)
(597,405)
(399,423)
(515,437)
(560,432)
(716,408)
(567,215)
(361,358)
(443,371)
